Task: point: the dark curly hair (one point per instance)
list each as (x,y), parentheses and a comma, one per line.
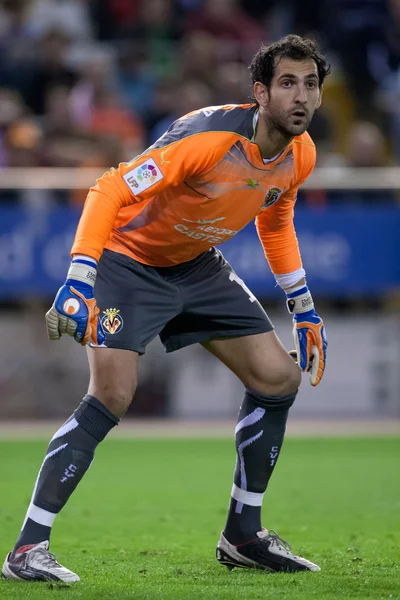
(263,65)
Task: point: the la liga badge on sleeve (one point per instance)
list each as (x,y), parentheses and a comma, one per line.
(143,176)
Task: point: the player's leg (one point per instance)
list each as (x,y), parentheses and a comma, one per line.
(113,376)
(130,288)
(271,379)
(221,313)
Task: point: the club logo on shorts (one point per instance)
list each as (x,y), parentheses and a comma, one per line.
(71,306)
(112,321)
(271,197)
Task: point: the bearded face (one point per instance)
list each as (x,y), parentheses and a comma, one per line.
(291,99)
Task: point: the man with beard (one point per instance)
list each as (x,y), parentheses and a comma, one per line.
(144,264)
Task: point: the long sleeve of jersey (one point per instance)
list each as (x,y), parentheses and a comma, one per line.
(103,203)
(118,188)
(275,225)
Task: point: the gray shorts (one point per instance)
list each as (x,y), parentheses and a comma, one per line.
(188,303)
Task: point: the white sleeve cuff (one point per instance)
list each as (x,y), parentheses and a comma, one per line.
(84,257)
(288,280)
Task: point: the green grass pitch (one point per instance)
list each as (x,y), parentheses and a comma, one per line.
(145,520)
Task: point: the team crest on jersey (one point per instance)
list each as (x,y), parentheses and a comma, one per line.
(143,176)
(112,321)
(271,197)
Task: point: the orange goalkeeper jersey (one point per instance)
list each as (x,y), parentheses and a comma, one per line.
(196,187)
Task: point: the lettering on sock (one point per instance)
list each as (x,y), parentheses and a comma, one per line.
(273,455)
(68,473)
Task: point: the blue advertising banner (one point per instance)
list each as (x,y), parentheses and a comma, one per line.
(346,251)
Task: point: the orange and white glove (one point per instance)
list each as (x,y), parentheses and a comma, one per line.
(308,333)
(74,310)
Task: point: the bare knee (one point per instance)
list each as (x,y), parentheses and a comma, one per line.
(279,380)
(113,378)
(116,398)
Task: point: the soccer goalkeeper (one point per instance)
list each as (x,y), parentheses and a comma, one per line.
(144,264)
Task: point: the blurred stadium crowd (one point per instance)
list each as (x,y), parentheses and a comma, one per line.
(93,82)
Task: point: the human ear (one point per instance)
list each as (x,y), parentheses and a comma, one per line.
(261,93)
(319,101)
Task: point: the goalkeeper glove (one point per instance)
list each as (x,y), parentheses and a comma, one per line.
(74,310)
(308,333)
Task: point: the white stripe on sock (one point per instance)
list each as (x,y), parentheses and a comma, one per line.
(52,453)
(250,419)
(68,426)
(245,497)
(41,516)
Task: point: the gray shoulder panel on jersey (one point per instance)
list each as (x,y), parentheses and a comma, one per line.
(236,120)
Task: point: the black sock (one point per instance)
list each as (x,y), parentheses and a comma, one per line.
(259,436)
(69,455)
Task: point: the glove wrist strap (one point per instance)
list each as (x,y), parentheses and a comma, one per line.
(82,271)
(300,301)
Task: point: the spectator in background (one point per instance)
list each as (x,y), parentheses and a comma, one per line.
(231,83)
(16,43)
(110,118)
(389,103)
(23,144)
(366,148)
(386,63)
(322,134)
(12,108)
(199,57)
(189,95)
(48,69)
(95,69)
(104,134)
(158,27)
(164,107)
(70,16)
(109,16)
(14,27)
(135,77)
(227,21)
(20,144)
(58,116)
(353,30)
